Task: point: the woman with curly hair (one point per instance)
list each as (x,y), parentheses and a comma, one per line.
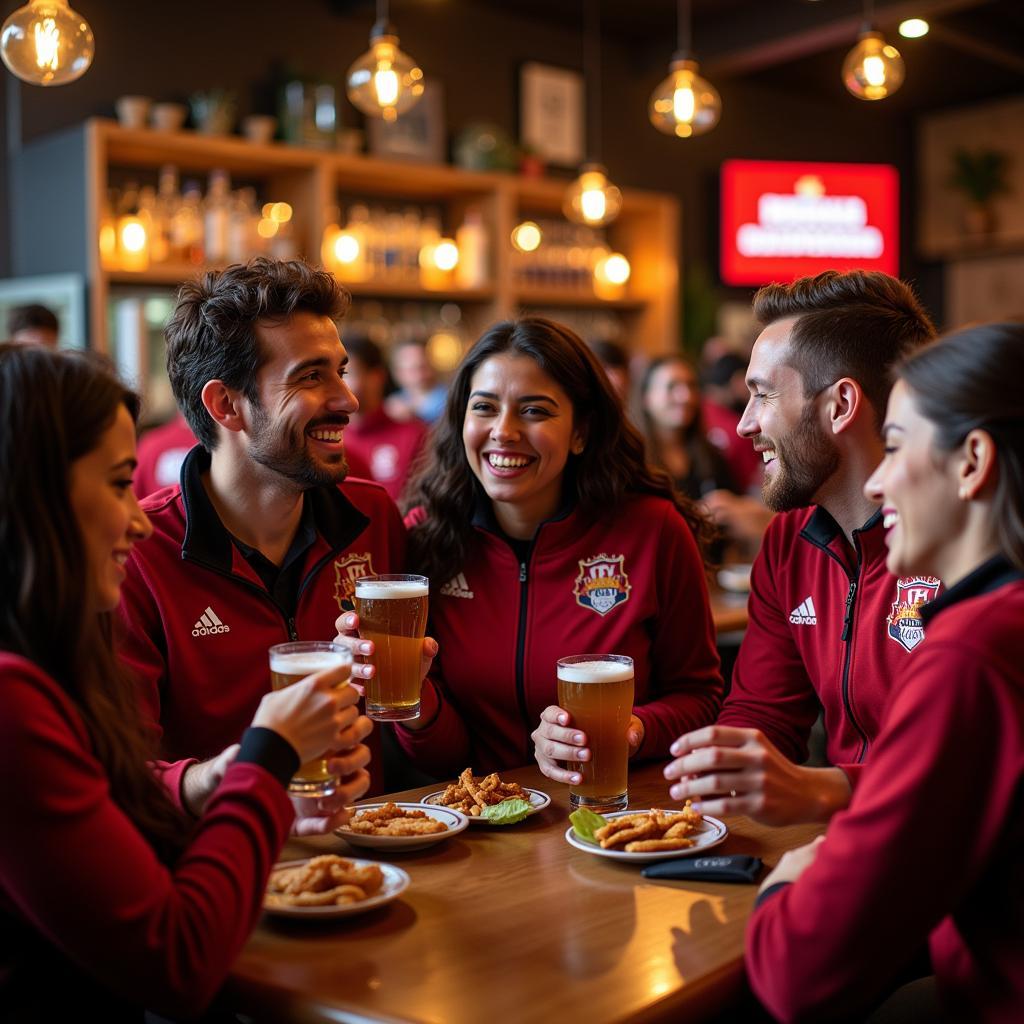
(545,534)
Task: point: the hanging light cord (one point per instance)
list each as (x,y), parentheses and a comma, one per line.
(592,77)
(684,17)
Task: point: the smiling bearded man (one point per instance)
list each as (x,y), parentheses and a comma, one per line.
(830,629)
(263,539)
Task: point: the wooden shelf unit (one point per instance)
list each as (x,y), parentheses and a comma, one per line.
(63,180)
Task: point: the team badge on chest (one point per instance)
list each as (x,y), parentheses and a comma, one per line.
(346,571)
(602,583)
(904,624)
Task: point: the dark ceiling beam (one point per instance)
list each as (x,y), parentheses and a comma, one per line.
(771,43)
(979,48)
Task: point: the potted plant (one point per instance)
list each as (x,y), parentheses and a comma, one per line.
(981,175)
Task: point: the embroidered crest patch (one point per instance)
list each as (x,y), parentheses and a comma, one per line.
(904,624)
(602,583)
(346,571)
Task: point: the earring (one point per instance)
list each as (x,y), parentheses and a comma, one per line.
(963,493)
(577,448)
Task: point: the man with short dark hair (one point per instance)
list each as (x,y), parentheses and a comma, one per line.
(33,325)
(258,544)
(830,629)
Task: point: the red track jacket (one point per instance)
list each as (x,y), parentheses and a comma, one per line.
(825,628)
(631,584)
(196,620)
(386,446)
(932,846)
(83,897)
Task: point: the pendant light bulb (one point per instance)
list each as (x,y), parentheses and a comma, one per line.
(47,43)
(384,82)
(873,69)
(592,199)
(684,104)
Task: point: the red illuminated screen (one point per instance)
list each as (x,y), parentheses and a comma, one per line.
(783,220)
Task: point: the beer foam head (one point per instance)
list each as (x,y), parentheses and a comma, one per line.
(305,663)
(390,590)
(595,672)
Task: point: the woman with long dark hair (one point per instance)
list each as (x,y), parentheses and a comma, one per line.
(674,428)
(112,898)
(931,849)
(535,492)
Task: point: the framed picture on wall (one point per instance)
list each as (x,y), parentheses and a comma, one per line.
(418,134)
(551,113)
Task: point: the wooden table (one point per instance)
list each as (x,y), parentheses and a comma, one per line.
(508,925)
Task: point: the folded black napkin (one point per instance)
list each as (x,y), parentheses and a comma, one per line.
(734,868)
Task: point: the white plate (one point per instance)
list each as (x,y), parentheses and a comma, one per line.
(735,578)
(538,801)
(712,833)
(455,820)
(396,881)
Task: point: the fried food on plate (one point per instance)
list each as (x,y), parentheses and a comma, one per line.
(651,831)
(392,820)
(321,882)
(471,795)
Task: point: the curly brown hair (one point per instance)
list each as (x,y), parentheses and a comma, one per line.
(212,333)
(611,466)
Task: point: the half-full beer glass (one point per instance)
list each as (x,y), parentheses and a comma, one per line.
(291,663)
(393,614)
(597,691)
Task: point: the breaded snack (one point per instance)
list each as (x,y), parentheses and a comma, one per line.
(471,795)
(323,881)
(650,831)
(392,820)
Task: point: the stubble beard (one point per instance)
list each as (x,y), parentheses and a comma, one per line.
(286,454)
(806,461)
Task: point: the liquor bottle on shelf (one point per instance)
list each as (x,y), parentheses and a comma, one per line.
(168,199)
(108,230)
(243,240)
(187,232)
(471,240)
(216,214)
(132,233)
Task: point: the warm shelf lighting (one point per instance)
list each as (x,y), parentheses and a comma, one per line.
(613,269)
(280,212)
(446,255)
(346,248)
(526,237)
(592,199)
(873,69)
(384,82)
(914,28)
(684,104)
(47,43)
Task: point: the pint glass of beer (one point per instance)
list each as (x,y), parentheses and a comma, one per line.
(392,613)
(597,691)
(291,663)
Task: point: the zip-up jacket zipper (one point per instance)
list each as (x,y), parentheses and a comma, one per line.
(847,638)
(524,594)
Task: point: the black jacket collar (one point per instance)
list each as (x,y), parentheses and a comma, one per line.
(821,529)
(336,519)
(989,576)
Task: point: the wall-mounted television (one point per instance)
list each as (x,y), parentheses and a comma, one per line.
(786,219)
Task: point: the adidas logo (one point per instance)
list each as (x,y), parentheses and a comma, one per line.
(804,615)
(209,623)
(457,586)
